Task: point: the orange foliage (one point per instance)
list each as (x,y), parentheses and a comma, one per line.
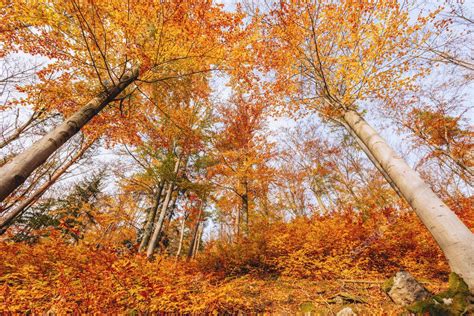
(301,57)
(338,245)
(54,275)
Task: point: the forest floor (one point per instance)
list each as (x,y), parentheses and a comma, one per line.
(304,297)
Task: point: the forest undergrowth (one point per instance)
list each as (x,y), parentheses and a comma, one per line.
(324,262)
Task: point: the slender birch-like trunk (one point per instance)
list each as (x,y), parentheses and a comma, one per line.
(453,237)
(159,223)
(181,236)
(192,246)
(150,220)
(164,207)
(172,209)
(197,243)
(195,232)
(237,221)
(17,170)
(25,204)
(245,205)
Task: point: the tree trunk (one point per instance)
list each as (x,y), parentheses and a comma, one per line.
(192,246)
(23,206)
(315,188)
(172,209)
(197,243)
(245,206)
(181,236)
(193,242)
(150,220)
(454,238)
(158,227)
(372,159)
(159,224)
(17,170)
(237,222)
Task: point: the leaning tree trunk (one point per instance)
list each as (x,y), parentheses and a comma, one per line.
(25,204)
(150,220)
(453,237)
(372,159)
(159,224)
(17,170)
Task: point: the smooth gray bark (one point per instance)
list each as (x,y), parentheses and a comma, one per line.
(197,243)
(17,170)
(192,246)
(372,158)
(453,237)
(150,220)
(181,236)
(159,223)
(13,215)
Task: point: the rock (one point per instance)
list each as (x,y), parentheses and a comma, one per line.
(346,311)
(404,289)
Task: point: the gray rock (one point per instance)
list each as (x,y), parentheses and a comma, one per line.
(346,311)
(406,290)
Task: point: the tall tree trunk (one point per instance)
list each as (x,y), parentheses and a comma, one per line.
(197,242)
(23,206)
(181,236)
(150,220)
(159,224)
(237,222)
(245,206)
(17,170)
(172,209)
(372,158)
(192,246)
(193,242)
(453,237)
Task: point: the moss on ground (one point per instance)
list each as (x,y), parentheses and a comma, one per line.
(387,285)
(456,300)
